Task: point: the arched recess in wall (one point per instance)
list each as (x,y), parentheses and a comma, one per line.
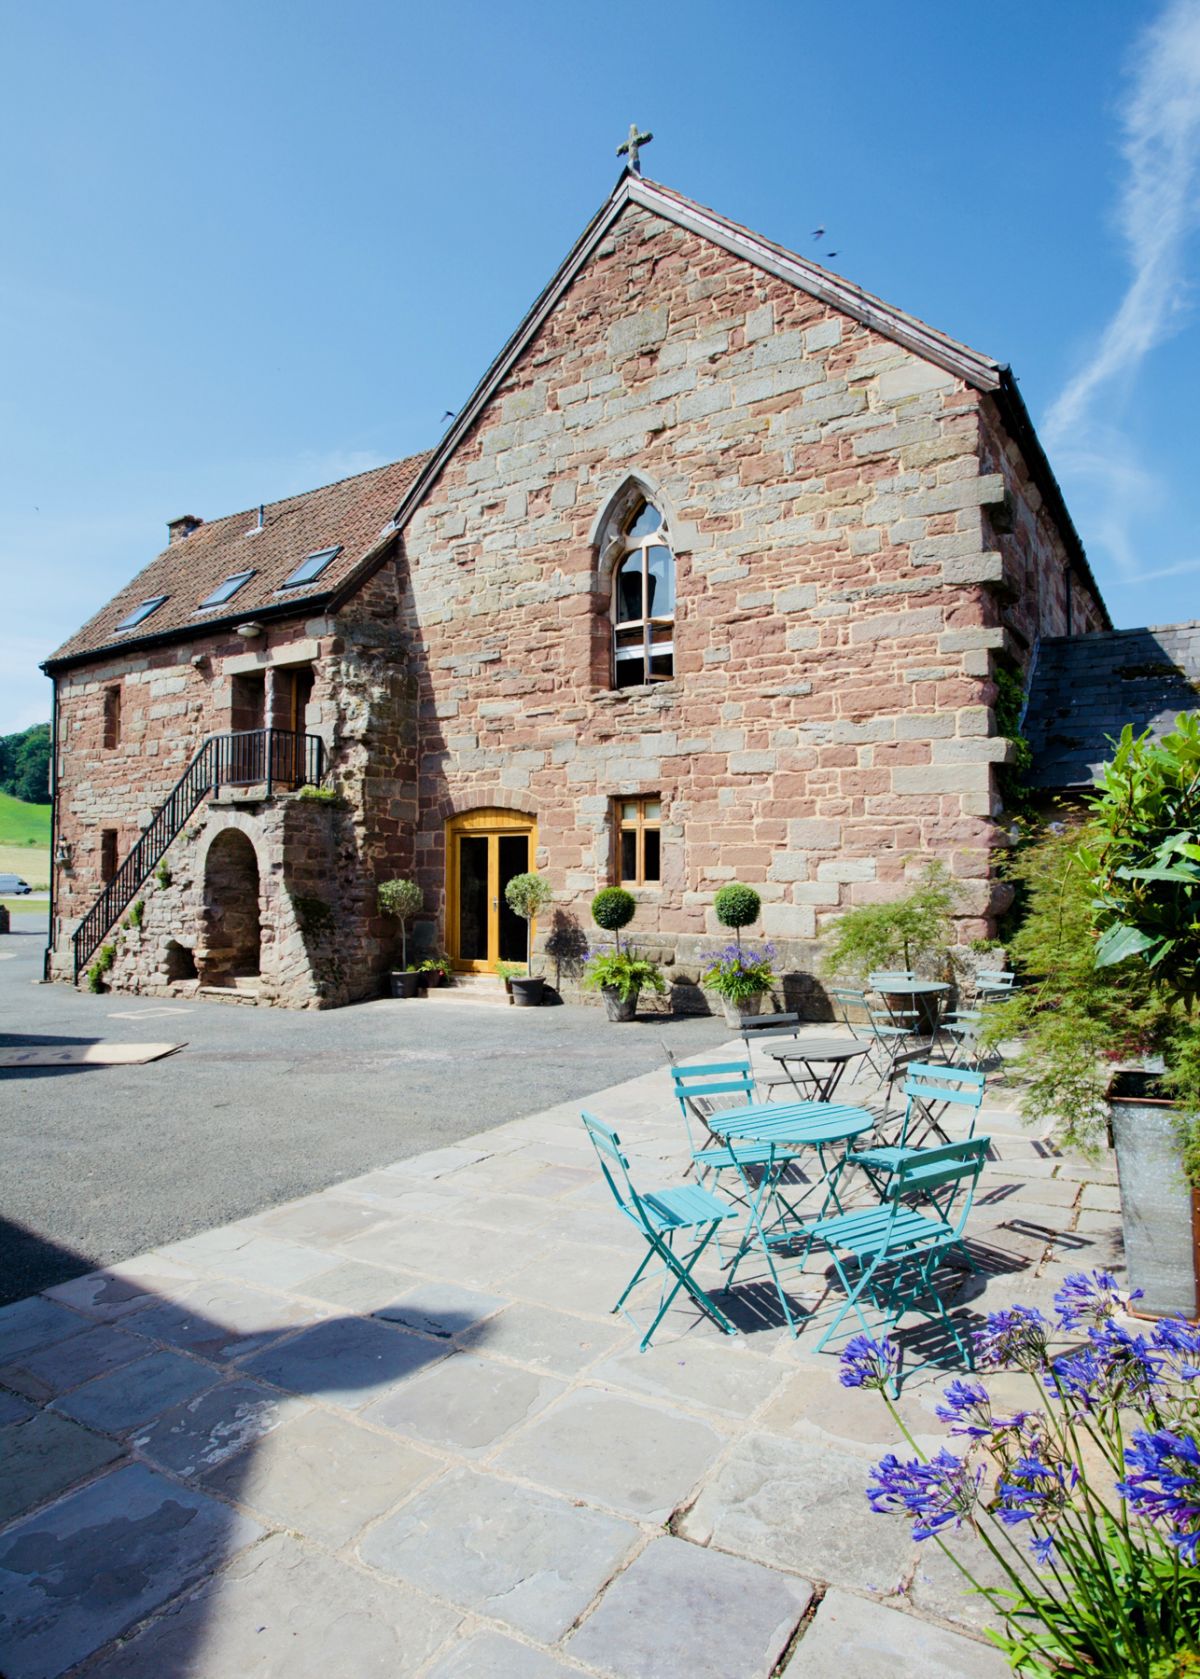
(232,914)
(635,590)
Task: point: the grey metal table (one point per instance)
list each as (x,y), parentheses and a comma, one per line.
(834,1053)
(924,993)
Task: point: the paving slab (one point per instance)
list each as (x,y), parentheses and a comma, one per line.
(347,1361)
(34,1323)
(800,1504)
(545,1339)
(239,1250)
(43,1455)
(465,1404)
(320,1220)
(123,1399)
(123,1288)
(725,1378)
(611,1450)
(856,1639)
(440,1309)
(355,1287)
(518,1556)
(489,1655)
(678,1609)
(323,1475)
(13,1408)
(88,1568)
(284,1611)
(223,1319)
(192,1438)
(66,1364)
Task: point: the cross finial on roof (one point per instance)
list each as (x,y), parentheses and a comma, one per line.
(631,146)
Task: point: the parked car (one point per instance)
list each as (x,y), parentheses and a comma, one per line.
(12,886)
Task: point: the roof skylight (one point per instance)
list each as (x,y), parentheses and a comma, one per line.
(141,612)
(226,590)
(311,568)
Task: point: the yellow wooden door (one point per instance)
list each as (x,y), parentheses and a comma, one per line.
(484,849)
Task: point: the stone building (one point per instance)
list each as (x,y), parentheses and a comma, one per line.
(711,579)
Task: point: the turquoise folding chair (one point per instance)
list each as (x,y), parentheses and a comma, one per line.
(661,1215)
(886,1257)
(930,1093)
(887,1043)
(699,1092)
(994,984)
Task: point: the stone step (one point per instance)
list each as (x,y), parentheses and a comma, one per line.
(483,989)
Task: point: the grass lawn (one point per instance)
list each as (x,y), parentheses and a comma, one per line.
(25,841)
(23,906)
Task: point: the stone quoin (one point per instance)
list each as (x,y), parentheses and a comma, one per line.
(712,579)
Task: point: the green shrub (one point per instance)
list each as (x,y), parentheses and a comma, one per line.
(163,875)
(623,972)
(321,795)
(737,906)
(105,957)
(612,909)
(136,911)
(910,932)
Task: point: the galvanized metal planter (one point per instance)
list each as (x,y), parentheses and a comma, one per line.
(737,1011)
(1160,1215)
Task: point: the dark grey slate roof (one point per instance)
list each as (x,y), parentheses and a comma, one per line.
(1086,688)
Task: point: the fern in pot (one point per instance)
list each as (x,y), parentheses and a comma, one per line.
(619,975)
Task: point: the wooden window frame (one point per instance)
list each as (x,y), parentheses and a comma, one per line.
(638,825)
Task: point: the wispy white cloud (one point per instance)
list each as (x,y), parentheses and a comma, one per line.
(1159,210)
(1158,214)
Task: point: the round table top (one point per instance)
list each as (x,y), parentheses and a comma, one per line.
(817,1049)
(895,985)
(814,1123)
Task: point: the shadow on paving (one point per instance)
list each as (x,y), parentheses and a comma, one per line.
(117,1427)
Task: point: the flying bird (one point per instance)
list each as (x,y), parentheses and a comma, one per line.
(830,253)
(449,414)
(818,233)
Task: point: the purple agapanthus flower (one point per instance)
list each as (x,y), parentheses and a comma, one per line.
(1017,1336)
(866,1363)
(1180,1342)
(1090,1299)
(1162,1483)
(1132,1368)
(1081,1379)
(934,1494)
(967,1407)
(1034,1490)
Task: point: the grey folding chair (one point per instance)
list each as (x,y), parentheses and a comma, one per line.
(762,1029)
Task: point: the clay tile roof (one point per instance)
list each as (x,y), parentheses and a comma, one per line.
(353,515)
(1086,688)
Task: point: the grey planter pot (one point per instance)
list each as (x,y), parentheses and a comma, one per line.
(527,993)
(614,1007)
(404,982)
(1159,1212)
(736,1012)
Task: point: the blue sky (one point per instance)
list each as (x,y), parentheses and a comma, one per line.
(251,249)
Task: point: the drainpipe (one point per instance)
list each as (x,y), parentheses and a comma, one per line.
(53,824)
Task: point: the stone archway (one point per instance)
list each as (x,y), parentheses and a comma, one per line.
(232,917)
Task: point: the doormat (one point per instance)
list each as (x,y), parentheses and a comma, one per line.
(85,1055)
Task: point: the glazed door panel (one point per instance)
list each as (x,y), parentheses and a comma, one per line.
(485,849)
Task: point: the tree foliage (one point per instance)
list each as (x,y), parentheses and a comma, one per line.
(612,909)
(402,899)
(737,906)
(914,931)
(25,764)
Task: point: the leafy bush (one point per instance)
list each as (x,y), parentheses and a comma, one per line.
(624,972)
(737,906)
(402,899)
(736,973)
(137,910)
(321,795)
(913,931)
(1101,1473)
(163,875)
(105,957)
(612,909)
(525,895)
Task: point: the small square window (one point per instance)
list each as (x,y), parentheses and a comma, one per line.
(640,847)
(226,590)
(141,612)
(311,568)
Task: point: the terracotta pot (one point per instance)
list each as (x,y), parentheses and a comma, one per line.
(1160,1211)
(618,1009)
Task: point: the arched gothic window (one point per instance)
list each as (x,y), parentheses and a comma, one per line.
(643,599)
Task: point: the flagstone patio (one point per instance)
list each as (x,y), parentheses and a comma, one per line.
(393,1428)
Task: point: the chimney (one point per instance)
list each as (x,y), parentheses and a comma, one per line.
(177,529)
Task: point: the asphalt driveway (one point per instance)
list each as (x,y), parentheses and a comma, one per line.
(263,1105)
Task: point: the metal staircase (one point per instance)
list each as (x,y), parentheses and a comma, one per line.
(274,757)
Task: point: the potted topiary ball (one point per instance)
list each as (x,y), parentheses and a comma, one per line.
(618,977)
(525,895)
(740,976)
(402,899)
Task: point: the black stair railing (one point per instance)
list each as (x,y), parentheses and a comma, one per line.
(275,758)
